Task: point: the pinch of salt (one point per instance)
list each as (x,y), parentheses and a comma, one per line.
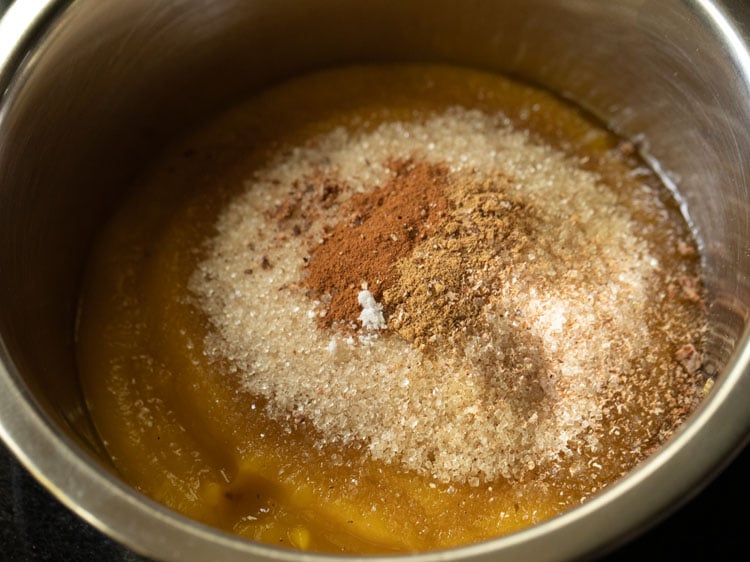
(372,312)
(332,346)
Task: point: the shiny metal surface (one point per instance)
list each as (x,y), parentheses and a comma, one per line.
(93,87)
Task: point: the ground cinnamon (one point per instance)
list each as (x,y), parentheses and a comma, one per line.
(380,227)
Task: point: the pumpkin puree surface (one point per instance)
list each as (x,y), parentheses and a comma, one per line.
(384,309)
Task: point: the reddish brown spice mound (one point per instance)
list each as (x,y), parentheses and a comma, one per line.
(381,227)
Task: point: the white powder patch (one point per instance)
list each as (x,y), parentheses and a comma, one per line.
(372,312)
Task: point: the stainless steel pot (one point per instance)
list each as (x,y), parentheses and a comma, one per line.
(92,87)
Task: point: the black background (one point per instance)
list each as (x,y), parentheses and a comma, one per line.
(714,525)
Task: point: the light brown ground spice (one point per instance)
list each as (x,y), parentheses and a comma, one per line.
(550,335)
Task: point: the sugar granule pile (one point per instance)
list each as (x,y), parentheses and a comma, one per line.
(453,297)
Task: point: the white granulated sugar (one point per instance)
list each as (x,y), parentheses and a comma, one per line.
(458,417)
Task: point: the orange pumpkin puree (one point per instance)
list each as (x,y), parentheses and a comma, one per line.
(538,336)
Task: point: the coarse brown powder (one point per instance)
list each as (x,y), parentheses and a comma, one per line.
(442,289)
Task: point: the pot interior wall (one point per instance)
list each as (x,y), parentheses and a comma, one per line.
(111,81)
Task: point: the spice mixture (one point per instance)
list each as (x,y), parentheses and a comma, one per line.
(517,299)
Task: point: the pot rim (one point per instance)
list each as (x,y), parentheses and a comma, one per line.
(667,479)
